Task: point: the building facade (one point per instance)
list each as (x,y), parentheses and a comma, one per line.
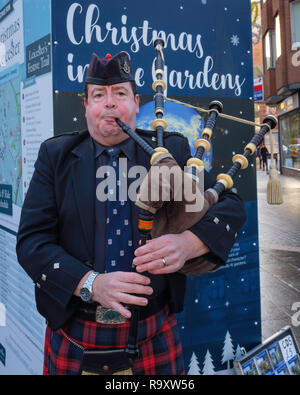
(261,108)
(281,49)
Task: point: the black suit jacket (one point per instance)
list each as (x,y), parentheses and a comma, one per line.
(55,242)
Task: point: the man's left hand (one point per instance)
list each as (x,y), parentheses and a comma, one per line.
(168,253)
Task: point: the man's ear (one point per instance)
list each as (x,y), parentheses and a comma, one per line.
(137,102)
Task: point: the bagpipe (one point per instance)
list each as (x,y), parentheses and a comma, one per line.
(158,216)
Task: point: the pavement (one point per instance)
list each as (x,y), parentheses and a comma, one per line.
(279,240)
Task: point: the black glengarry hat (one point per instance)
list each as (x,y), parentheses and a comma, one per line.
(110,70)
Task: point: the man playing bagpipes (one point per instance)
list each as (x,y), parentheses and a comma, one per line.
(91,274)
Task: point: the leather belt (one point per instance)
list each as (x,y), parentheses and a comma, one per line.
(95,312)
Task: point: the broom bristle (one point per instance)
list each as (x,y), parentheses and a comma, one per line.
(274,190)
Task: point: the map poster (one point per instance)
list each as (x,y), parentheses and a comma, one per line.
(10,132)
(26,119)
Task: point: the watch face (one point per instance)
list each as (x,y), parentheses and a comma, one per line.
(85,294)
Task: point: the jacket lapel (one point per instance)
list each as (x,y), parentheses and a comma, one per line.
(83,176)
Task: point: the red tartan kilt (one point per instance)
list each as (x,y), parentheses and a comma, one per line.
(159,341)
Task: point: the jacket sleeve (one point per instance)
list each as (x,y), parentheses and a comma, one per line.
(51,268)
(220,226)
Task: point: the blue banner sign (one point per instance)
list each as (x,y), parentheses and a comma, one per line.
(208,55)
(207,43)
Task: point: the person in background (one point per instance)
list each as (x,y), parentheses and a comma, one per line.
(263,153)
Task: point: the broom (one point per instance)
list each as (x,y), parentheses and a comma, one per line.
(274,190)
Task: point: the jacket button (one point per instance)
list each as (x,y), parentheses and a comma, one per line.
(105,368)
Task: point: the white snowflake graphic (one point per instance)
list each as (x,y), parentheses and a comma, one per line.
(235,40)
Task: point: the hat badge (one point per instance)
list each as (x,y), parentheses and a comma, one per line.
(126,67)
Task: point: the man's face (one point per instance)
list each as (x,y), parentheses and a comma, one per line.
(103,105)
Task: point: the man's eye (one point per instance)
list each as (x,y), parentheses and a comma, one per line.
(97,96)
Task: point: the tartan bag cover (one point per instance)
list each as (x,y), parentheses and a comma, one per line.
(159,341)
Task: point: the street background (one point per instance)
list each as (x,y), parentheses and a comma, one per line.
(279,255)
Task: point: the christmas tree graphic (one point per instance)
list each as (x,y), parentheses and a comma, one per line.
(228,351)
(238,353)
(208,366)
(194,366)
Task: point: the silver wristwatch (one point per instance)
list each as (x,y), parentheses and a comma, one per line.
(86,290)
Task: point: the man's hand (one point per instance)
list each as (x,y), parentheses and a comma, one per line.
(114,289)
(168,253)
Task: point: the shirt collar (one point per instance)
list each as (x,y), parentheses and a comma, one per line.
(127,147)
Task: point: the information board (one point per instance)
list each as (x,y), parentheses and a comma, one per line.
(26,119)
(278,355)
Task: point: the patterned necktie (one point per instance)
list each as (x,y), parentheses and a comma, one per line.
(119,247)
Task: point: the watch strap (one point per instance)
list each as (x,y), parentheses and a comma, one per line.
(89,281)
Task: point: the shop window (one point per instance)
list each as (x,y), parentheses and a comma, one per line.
(290,140)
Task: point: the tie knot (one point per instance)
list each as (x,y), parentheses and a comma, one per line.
(113,152)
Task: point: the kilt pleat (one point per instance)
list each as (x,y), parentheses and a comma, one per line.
(159,341)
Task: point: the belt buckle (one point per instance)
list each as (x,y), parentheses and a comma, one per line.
(108,316)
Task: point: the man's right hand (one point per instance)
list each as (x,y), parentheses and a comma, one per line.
(114,289)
